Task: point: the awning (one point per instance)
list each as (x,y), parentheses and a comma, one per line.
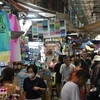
(94,27)
(97,37)
(33,6)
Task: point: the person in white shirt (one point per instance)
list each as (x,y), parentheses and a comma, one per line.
(65,69)
(70,90)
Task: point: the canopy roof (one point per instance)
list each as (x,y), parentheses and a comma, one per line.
(94,27)
(85,10)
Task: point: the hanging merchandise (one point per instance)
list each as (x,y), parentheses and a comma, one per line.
(4,37)
(4,32)
(5,56)
(13,22)
(14,43)
(16,34)
(24,50)
(16,50)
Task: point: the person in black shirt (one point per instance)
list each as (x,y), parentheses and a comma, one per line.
(58,75)
(85,62)
(96,72)
(33,86)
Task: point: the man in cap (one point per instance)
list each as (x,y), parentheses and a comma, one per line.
(96,72)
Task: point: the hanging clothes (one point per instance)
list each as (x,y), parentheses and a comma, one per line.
(4,37)
(14,43)
(4,32)
(5,56)
(13,22)
(16,50)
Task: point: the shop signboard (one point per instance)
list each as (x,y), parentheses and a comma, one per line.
(49,28)
(52,28)
(34,28)
(63,28)
(45,25)
(40,26)
(57,27)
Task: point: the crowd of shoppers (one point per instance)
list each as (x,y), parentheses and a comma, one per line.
(86,64)
(33,86)
(75,77)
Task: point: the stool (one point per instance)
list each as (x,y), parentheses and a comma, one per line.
(54,92)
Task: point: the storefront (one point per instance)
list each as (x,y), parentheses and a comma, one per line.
(16,49)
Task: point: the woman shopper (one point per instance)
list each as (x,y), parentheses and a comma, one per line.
(58,75)
(33,85)
(13,92)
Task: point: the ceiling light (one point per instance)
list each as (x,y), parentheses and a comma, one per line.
(31,16)
(47,14)
(38,19)
(1,2)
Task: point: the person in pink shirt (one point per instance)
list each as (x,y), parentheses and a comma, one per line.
(53,63)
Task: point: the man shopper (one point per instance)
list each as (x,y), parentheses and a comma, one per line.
(65,69)
(96,72)
(70,90)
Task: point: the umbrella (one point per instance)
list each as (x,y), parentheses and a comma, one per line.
(89,43)
(89,48)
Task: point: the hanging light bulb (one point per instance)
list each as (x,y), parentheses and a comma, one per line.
(1,2)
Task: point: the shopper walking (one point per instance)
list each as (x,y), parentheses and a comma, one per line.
(96,72)
(65,69)
(58,75)
(70,91)
(13,92)
(77,63)
(85,62)
(33,85)
(72,58)
(73,72)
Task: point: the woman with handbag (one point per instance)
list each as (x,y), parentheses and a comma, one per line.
(33,85)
